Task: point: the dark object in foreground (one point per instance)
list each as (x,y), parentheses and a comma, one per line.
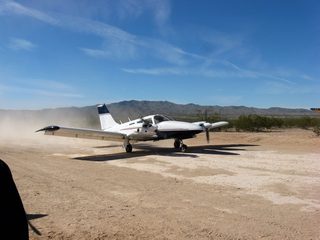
(13,220)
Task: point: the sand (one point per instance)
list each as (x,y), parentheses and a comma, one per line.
(240,186)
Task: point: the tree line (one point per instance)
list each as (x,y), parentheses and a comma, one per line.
(258,123)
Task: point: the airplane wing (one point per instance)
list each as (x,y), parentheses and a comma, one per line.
(83,133)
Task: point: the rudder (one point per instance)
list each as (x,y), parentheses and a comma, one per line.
(106,120)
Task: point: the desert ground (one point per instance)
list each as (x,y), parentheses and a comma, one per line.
(240,186)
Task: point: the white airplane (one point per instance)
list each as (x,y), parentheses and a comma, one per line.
(153,127)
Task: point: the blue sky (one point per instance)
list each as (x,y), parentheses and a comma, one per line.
(76,53)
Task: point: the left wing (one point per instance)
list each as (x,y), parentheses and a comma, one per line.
(83,133)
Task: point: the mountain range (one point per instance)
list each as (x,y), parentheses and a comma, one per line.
(87,116)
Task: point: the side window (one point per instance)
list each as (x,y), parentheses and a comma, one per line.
(160,118)
(148,120)
(157,119)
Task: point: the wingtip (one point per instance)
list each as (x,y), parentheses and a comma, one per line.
(49,128)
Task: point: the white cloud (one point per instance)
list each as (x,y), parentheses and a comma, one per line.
(156,71)
(162,10)
(118,42)
(159,9)
(222,43)
(122,45)
(21,44)
(95,52)
(11,7)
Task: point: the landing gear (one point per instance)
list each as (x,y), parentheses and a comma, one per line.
(128,148)
(178,144)
(183,148)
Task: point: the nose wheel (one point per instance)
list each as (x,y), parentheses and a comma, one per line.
(127,146)
(178,144)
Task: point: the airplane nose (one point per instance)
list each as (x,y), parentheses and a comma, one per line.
(178,126)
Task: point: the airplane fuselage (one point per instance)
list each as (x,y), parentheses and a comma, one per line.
(139,130)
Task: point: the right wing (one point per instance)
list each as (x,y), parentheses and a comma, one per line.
(83,133)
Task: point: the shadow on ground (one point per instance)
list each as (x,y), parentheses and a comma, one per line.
(34,216)
(141,150)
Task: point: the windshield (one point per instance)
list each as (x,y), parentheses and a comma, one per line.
(160,118)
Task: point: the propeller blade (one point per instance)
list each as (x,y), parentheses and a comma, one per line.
(207,135)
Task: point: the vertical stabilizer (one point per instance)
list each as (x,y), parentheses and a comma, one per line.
(106,120)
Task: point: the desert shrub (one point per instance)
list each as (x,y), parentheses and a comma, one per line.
(302,122)
(255,123)
(316,130)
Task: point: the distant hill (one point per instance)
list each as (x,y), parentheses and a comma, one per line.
(87,116)
(135,108)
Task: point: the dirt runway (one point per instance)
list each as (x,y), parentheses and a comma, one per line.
(241,186)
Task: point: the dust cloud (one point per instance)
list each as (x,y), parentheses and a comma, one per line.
(15,124)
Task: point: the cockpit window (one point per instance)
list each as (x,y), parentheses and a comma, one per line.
(160,118)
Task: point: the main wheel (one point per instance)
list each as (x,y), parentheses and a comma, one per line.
(176,144)
(129,148)
(184,148)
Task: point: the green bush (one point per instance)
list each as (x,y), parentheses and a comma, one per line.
(316,130)
(256,123)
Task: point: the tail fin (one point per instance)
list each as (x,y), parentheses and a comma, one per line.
(106,120)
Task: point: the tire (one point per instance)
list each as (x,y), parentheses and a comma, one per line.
(184,148)
(176,144)
(129,148)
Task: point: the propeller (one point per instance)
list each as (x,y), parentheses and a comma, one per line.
(145,122)
(207,135)
(207,128)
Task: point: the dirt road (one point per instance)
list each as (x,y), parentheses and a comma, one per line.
(242,186)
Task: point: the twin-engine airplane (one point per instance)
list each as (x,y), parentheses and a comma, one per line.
(152,127)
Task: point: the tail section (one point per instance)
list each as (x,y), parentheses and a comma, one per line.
(106,120)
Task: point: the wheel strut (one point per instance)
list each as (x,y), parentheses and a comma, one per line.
(178,144)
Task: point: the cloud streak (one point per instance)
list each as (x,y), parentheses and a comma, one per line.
(21,44)
(11,7)
(122,45)
(160,10)
(117,41)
